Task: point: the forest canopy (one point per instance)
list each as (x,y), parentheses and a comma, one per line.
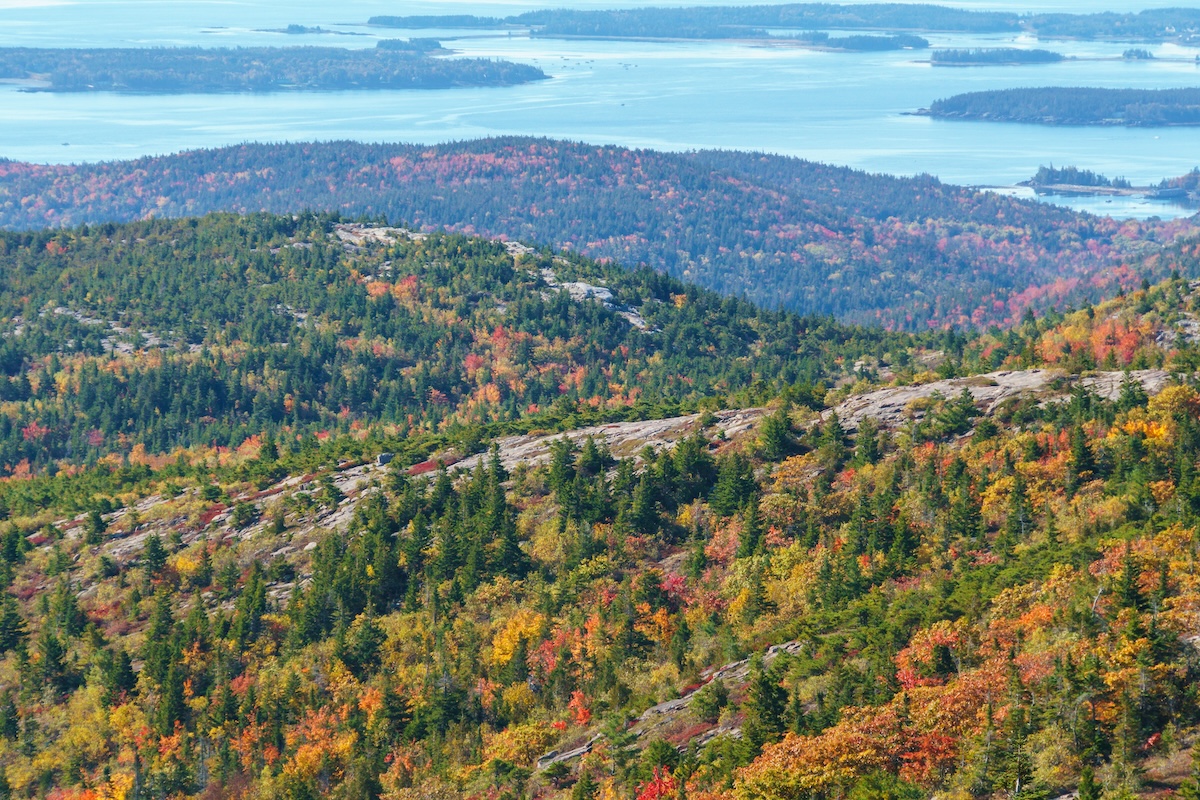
(781,231)
(891,587)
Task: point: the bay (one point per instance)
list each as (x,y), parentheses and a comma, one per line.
(841,108)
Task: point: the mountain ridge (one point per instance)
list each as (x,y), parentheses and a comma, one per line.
(905,253)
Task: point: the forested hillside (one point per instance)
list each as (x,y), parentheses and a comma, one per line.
(906,253)
(901,583)
(167,334)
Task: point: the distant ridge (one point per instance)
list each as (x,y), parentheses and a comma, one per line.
(906,253)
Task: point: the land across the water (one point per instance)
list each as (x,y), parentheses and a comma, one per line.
(1083,190)
(1073,59)
(1177,25)
(393,64)
(1075,182)
(1068,105)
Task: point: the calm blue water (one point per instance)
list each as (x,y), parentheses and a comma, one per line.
(833,107)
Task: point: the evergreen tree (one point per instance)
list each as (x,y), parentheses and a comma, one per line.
(585,788)
(52,668)
(1089,789)
(775,435)
(171,705)
(12,625)
(735,485)
(752,530)
(643,511)
(866,442)
(765,708)
(831,443)
(1132,394)
(154,555)
(95,528)
(1081,466)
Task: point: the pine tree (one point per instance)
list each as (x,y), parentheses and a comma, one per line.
(866,442)
(94,530)
(154,555)
(765,707)
(1082,466)
(51,665)
(775,435)
(12,625)
(171,706)
(1089,789)
(10,718)
(585,788)
(643,511)
(159,650)
(203,575)
(735,485)
(831,443)
(591,462)
(752,530)
(1128,591)
(1132,394)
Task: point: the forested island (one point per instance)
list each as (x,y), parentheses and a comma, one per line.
(992,56)
(1073,176)
(424,21)
(1180,25)
(721,22)
(861,43)
(1183,190)
(394,64)
(902,252)
(1059,105)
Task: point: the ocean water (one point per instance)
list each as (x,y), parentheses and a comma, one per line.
(841,108)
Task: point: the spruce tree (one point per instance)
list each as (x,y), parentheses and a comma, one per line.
(735,485)
(752,530)
(765,708)
(775,435)
(1089,789)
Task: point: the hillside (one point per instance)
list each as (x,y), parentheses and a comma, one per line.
(898,252)
(178,333)
(981,584)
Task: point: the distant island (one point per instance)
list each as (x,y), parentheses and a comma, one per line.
(723,22)
(426,21)
(861,43)
(1073,176)
(992,56)
(1183,190)
(307,30)
(393,64)
(1057,105)
(1179,25)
